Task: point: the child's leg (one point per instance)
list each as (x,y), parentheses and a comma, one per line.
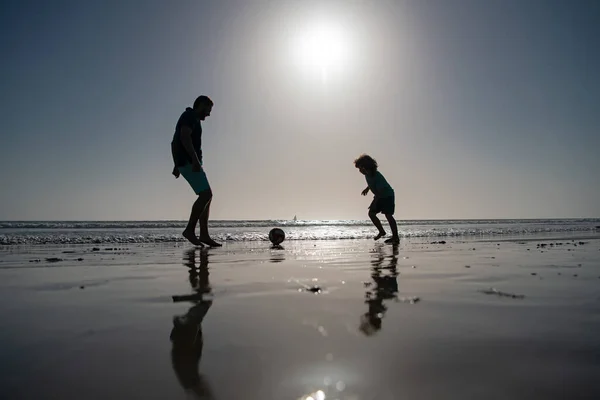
(377,224)
(393,226)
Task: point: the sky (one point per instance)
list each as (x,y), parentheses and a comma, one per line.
(473,109)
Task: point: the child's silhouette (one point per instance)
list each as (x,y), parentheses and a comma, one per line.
(383,200)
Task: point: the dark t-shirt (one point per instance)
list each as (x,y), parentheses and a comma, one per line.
(379,186)
(180,155)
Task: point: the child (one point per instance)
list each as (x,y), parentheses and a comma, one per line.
(383,200)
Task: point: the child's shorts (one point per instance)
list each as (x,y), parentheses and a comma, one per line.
(384,205)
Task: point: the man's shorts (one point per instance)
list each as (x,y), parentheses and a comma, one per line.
(385,205)
(197,180)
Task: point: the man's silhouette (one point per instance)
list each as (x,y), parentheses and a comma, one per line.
(186,149)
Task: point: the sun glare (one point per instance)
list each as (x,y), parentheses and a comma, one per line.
(322,48)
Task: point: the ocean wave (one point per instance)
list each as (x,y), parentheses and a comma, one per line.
(322,232)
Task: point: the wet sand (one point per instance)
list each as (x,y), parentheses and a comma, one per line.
(466,319)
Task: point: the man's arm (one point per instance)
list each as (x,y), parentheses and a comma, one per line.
(364,192)
(185,136)
(175,168)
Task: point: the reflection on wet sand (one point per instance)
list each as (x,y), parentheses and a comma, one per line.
(277,253)
(383,287)
(186,336)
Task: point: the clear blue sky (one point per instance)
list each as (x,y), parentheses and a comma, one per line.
(474,109)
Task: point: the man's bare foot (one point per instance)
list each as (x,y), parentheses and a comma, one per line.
(208,241)
(380,235)
(393,240)
(192,238)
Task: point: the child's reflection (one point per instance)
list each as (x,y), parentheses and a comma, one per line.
(383,287)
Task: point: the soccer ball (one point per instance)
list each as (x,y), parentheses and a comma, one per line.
(276,236)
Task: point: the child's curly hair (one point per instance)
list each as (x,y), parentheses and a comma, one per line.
(366,161)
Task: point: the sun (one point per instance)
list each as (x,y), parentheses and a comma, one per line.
(322,48)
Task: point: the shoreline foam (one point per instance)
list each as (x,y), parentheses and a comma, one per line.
(41,233)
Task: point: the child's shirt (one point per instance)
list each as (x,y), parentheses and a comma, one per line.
(378,185)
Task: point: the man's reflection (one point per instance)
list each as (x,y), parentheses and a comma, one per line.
(383,287)
(186,335)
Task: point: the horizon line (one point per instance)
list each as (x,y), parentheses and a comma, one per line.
(282,219)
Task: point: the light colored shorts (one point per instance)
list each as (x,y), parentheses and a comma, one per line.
(197,180)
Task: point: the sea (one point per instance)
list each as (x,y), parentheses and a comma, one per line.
(114,232)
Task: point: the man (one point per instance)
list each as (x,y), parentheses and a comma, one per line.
(186,149)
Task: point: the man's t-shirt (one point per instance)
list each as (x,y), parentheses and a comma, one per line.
(180,155)
(379,186)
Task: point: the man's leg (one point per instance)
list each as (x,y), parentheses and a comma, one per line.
(197,209)
(201,208)
(203,220)
(204,236)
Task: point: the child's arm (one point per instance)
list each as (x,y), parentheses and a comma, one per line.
(364,192)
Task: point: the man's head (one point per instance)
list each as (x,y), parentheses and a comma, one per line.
(203,106)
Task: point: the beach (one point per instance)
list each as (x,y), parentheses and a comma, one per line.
(135,135)
(453,318)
